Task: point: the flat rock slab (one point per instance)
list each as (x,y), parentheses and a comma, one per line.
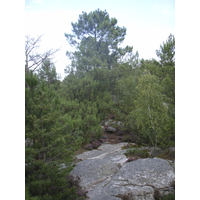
(104,150)
(91,154)
(93,171)
(117,157)
(140,177)
(112,147)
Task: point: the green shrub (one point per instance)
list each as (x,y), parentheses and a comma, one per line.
(169,197)
(137,152)
(28,196)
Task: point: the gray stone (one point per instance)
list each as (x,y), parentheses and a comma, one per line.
(90,154)
(109,122)
(172,148)
(111,129)
(141,177)
(104,137)
(112,147)
(111,151)
(105,174)
(96,193)
(94,171)
(118,157)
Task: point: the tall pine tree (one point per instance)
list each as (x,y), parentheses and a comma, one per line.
(96,37)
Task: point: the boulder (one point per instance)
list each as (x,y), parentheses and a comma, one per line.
(93,171)
(96,144)
(104,137)
(141,177)
(111,129)
(88,146)
(107,174)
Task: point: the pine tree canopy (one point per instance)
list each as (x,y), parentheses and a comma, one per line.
(96,38)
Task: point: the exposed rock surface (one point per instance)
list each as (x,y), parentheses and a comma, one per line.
(105,174)
(107,151)
(140,177)
(111,129)
(94,171)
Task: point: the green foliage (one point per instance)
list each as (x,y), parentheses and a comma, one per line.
(137,152)
(52,135)
(47,72)
(27,195)
(125,94)
(87,100)
(167,154)
(150,111)
(167,51)
(169,197)
(96,38)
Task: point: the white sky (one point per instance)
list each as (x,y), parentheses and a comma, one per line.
(148,23)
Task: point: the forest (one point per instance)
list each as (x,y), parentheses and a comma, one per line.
(103,79)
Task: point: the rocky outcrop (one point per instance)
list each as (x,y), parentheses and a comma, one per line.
(105,174)
(113,152)
(141,177)
(94,171)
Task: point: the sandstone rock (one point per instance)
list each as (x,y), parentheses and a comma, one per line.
(111,151)
(117,157)
(140,177)
(111,129)
(93,171)
(91,155)
(106,174)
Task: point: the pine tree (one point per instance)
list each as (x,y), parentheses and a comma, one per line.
(52,136)
(97,39)
(47,71)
